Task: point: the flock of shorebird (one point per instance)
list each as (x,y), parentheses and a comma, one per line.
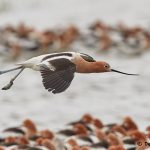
(99,36)
(88,133)
(57,69)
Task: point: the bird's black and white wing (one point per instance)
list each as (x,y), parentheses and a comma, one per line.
(57,74)
(87,57)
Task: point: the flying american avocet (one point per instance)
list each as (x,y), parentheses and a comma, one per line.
(57,69)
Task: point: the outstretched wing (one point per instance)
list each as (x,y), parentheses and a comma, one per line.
(59,78)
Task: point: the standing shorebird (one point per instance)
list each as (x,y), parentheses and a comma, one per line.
(57,69)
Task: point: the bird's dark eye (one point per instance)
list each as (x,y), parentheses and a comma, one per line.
(106,66)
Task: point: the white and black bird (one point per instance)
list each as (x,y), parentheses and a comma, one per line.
(57,69)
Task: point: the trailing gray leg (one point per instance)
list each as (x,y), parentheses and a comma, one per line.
(9,85)
(13,69)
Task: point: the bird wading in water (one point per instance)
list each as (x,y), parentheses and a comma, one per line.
(57,69)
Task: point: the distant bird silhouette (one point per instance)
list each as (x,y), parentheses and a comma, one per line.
(57,69)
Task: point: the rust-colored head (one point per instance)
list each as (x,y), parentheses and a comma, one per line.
(102,66)
(30,127)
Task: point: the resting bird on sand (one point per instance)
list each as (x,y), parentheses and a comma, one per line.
(57,69)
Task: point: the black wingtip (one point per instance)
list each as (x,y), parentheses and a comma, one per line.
(15,130)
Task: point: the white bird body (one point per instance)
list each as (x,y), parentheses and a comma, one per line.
(35,63)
